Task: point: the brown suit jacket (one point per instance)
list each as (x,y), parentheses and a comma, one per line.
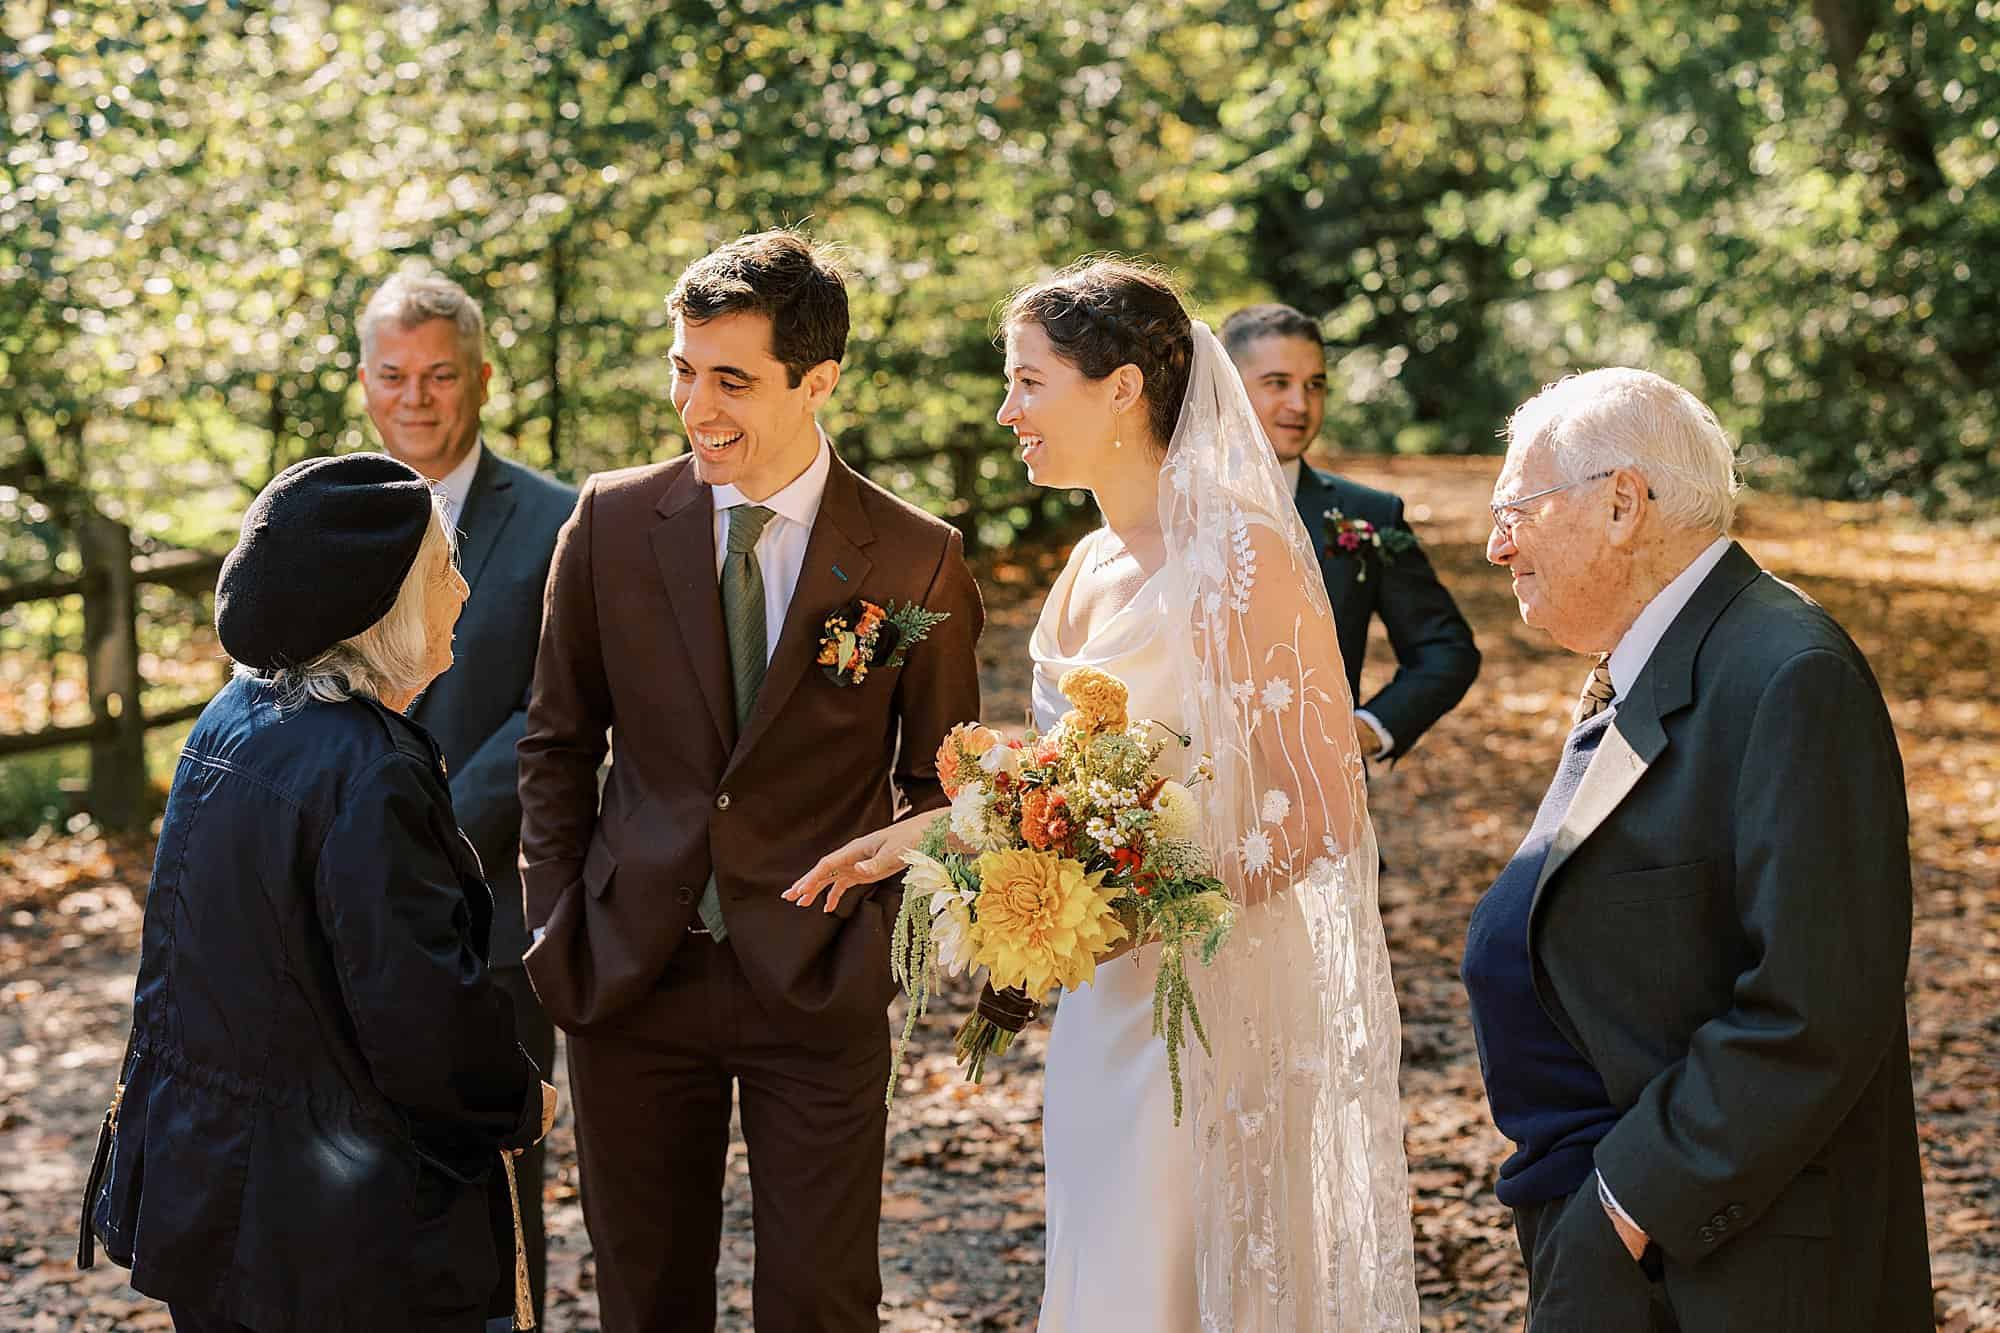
(633,642)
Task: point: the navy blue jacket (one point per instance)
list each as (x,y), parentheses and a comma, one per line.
(321,1075)
(1436,661)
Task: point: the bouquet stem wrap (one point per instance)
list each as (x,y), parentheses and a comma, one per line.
(1000,1016)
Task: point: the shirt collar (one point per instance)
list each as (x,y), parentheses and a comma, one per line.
(1635,649)
(1292,468)
(457,483)
(798,500)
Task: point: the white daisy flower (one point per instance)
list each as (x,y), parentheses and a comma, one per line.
(1277,694)
(1255,851)
(1277,806)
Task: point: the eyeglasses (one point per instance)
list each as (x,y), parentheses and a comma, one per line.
(1507,513)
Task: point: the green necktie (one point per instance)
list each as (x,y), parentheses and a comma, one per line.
(743,618)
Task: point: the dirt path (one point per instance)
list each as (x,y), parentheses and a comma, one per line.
(961,1236)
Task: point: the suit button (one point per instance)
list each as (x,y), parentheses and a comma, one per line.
(684,894)
(1736,1212)
(1707,1235)
(1720,1222)
(722,801)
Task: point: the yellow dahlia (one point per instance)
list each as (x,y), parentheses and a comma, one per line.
(1041,920)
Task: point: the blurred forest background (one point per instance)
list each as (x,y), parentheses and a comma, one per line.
(1791,208)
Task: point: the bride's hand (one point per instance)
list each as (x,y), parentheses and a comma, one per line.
(868,859)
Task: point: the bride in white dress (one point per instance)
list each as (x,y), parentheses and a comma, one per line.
(1280,1203)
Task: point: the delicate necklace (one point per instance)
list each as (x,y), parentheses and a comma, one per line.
(1111,557)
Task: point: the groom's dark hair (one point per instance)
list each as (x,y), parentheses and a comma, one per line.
(783,276)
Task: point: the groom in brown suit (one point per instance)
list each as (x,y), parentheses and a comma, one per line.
(685,609)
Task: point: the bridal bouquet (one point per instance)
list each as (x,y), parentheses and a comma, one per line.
(1058,847)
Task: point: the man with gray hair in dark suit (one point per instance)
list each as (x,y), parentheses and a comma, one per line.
(1687,985)
(424,370)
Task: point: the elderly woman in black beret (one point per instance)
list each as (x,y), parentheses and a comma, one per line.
(314,1114)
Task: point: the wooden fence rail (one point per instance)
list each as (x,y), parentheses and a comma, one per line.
(109,582)
(116,733)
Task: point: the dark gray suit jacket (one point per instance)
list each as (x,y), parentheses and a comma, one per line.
(1722,928)
(1436,661)
(478,709)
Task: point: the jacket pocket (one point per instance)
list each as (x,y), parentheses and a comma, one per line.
(1657,884)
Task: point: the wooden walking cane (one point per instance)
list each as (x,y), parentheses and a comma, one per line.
(524,1296)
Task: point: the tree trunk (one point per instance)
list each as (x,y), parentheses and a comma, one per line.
(111,658)
(559,280)
(1849,25)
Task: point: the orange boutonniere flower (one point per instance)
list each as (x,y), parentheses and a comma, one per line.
(863,635)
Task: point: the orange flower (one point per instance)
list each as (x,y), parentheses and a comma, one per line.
(1044,819)
(962,745)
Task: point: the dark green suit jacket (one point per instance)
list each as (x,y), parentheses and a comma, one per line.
(1436,661)
(1722,928)
(478,709)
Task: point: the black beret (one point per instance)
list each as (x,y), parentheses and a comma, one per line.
(324,551)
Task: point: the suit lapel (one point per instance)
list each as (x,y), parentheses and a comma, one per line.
(840,532)
(684,549)
(489,503)
(1313,497)
(1637,736)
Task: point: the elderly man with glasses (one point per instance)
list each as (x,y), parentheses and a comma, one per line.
(1687,984)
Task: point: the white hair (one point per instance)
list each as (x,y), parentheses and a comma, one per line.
(392,656)
(411,299)
(1624,418)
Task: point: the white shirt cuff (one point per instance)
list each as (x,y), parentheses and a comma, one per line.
(537,937)
(1605,1197)
(1374,724)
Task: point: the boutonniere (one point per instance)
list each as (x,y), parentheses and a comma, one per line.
(1361,539)
(862,636)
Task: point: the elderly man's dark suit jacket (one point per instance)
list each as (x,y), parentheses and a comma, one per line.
(1722,928)
(1436,661)
(478,710)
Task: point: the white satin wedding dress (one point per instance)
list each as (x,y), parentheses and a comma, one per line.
(1280,1203)
(1121,1174)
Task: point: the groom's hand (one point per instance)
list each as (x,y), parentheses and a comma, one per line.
(870,858)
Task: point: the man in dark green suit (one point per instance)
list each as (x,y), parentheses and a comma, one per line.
(1367,554)
(424,371)
(1687,985)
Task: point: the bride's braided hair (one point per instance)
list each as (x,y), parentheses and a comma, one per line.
(1101,314)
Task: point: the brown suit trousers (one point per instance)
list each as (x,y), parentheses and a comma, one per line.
(790,1009)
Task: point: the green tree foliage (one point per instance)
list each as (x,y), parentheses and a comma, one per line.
(1791,208)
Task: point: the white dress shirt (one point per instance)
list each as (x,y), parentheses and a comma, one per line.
(1628,659)
(1292,467)
(781,546)
(458,484)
